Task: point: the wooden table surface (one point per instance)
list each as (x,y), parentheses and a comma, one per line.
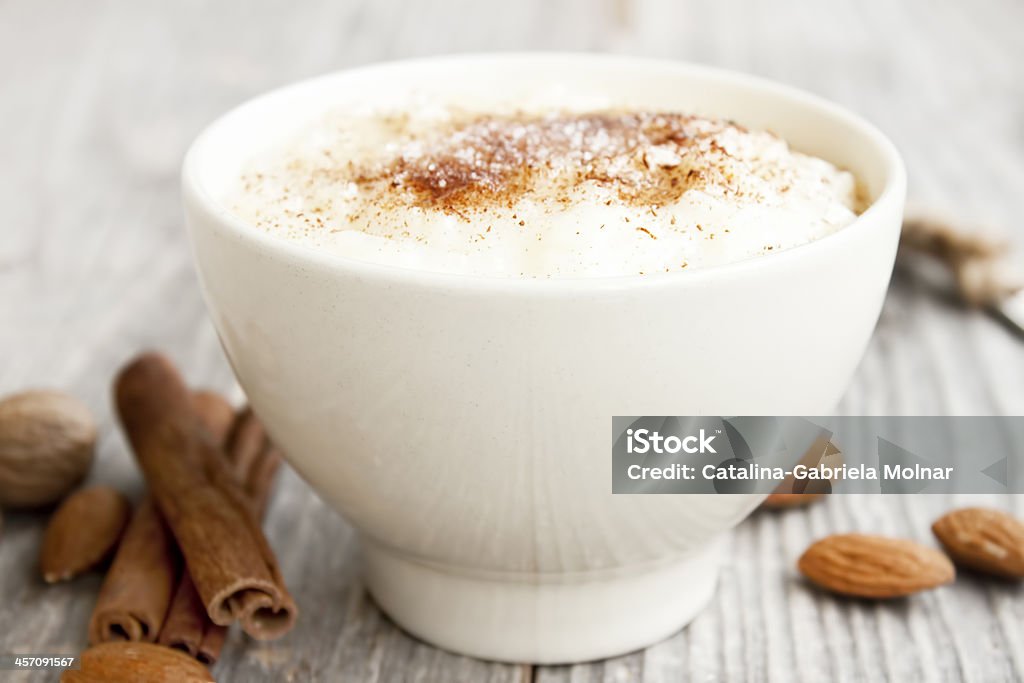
(98,100)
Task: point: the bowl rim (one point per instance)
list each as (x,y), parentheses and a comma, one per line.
(199,200)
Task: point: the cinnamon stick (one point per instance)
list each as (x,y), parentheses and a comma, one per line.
(254,461)
(188,626)
(229,560)
(137,590)
(216,414)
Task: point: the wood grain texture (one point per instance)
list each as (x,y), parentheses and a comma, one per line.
(99,99)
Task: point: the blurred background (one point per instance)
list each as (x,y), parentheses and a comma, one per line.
(100,98)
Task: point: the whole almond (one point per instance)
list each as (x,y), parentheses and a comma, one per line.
(47,439)
(126,662)
(82,532)
(867,566)
(983,539)
(793,492)
(785,501)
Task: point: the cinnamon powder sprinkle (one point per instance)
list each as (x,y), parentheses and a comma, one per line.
(491,161)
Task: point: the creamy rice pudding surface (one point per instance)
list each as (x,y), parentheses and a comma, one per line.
(538,194)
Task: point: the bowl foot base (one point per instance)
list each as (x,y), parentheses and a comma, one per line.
(544,621)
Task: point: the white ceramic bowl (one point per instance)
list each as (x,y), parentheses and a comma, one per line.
(462,424)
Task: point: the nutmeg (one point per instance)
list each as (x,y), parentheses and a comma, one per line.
(47,441)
